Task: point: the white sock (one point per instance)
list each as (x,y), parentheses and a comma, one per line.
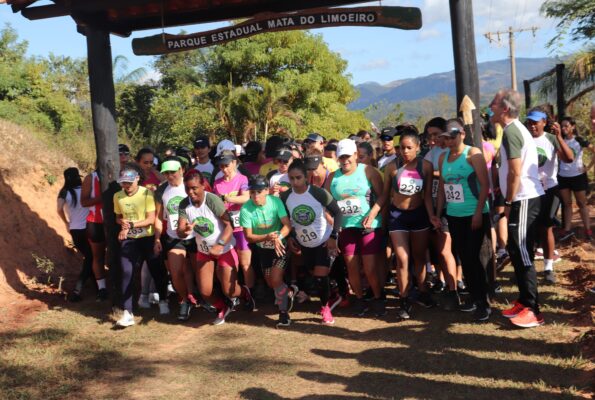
(548,265)
(101,283)
(78,287)
(428,267)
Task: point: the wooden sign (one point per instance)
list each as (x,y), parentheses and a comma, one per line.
(390,17)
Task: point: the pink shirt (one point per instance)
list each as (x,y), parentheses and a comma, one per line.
(236,186)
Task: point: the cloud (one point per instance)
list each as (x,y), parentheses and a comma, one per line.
(378,63)
(425,34)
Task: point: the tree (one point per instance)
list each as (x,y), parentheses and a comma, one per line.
(578,16)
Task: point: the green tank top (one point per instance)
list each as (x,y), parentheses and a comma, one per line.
(461,187)
(353,194)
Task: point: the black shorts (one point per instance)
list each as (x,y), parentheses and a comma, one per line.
(550,202)
(170,243)
(415,220)
(577,183)
(268,259)
(95,232)
(498,200)
(316,256)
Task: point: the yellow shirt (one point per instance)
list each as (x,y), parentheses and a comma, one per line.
(498,141)
(266,168)
(135,208)
(330,164)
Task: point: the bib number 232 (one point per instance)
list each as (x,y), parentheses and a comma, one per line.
(350,207)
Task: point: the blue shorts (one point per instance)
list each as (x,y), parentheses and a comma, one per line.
(408,220)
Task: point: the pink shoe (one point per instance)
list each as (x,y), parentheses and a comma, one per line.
(327,317)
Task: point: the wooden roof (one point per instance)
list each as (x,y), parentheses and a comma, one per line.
(121,17)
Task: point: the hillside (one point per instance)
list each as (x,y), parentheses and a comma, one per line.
(493,75)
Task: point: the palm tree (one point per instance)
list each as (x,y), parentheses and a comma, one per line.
(121,74)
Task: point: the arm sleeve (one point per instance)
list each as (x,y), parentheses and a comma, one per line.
(215,204)
(182,209)
(513,142)
(327,200)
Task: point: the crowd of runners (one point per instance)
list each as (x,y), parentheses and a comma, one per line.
(227,227)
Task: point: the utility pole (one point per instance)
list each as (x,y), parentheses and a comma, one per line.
(510,32)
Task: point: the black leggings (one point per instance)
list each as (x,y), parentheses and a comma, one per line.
(134,252)
(79,238)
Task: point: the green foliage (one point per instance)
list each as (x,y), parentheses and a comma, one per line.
(576,18)
(44,265)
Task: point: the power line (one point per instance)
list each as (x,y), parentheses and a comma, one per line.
(491,36)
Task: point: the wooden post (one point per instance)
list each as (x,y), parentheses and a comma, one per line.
(467,80)
(560,102)
(103,108)
(527,86)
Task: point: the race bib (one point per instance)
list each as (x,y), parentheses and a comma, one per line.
(235,218)
(350,207)
(135,233)
(306,236)
(454,193)
(267,244)
(435,187)
(410,186)
(204,248)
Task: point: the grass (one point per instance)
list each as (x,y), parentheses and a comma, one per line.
(71,351)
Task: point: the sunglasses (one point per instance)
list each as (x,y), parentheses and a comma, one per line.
(283,161)
(124,153)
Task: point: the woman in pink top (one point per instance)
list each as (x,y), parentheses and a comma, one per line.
(233,189)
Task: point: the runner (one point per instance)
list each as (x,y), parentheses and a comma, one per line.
(124,152)
(365,154)
(278,179)
(464,186)
(387,136)
(316,141)
(205,214)
(202,147)
(313,237)
(521,189)
(91,198)
(232,187)
(254,157)
(550,148)
(177,250)
(408,225)
(265,223)
(134,207)
(74,215)
(572,178)
(354,186)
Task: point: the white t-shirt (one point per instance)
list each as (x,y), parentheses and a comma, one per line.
(547,159)
(517,142)
(384,160)
(208,226)
(576,167)
(206,169)
(307,215)
(77,215)
(170,197)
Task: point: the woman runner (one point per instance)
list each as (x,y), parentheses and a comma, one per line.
(313,236)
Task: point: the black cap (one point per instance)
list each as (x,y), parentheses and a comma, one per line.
(314,137)
(253,148)
(201,142)
(330,147)
(312,162)
(272,145)
(122,148)
(257,182)
(225,158)
(387,134)
(284,154)
(182,150)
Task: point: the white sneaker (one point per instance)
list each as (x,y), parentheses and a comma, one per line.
(163,308)
(143,301)
(154,298)
(126,320)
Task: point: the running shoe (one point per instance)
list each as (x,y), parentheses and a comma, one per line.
(502,260)
(143,301)
(74,297)
(404,310)
(184,311)
(207,306)
(565,235)
(154,298)
(284,319)
(368,294)
(163,307)
(101,295)
(482,313)
(539,253)
(468,306)
(334,300)
(513,311)
(462,288)
(451,300)
(549,277)
(344,303)
(527,319)
(439,286)
(293,291)
(359,307)
(224,312)
(431,279)
(170,289)
(233,303)
(126,320)
(424,299)
(249,303)
(327,316)
(378,307)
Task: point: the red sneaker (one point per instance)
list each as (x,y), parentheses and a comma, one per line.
(527,319)
(515,310)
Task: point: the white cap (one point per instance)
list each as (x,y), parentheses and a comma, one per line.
(239,150)
(225,145)
(346,147)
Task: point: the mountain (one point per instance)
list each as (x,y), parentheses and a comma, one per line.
(493,75)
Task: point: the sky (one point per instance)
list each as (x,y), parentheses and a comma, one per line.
(373,53)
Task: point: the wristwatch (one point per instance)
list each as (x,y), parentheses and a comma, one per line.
(334,235)
(221,242)
(507,203)
(131,224)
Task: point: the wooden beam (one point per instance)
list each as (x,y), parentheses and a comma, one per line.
(42,12)
(560,102)
(103,109)
(467,77)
